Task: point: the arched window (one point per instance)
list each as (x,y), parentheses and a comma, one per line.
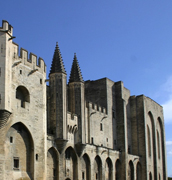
(23,94)
(149,140)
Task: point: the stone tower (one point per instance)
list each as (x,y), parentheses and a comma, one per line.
(57,97)
(5,75)
(77,99)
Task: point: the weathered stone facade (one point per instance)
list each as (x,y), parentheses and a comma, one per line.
(92,130)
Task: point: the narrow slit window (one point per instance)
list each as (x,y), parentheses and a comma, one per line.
(37,157)
(20,71)
(16,163)
(40,81)
(101,127)
(83,176)
(11,139)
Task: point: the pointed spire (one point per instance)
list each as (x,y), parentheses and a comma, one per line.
(75,75)
(57,63)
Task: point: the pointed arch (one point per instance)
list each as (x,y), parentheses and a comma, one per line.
(52,164)
(86,167)
(153,143)
(108,169)
(118,169)
(131,171)
(71,163)
(21,154)
(98,168)
(150,176)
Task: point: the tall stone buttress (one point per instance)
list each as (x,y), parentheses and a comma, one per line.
(57,98)
(76,102)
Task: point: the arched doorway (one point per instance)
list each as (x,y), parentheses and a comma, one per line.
(52,164)
(71,165)
(86,167)
(98,168)
(20,154)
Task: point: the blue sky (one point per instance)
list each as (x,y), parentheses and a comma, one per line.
(119,39)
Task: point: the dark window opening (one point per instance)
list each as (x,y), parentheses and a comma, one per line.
(11,139)
(101,127)
(22,94)
(40,81)
(83,176)
(129,149)
(107,139)
(16,163)
(20,71)
(37,157)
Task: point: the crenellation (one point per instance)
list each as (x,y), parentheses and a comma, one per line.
(6,27)
(32,61)
(96,107)
(72,121)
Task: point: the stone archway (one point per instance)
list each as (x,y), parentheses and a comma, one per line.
(108,169)
(71,165)
(131,171)
(52,164)
(98,168)
(86,167)
(19,152)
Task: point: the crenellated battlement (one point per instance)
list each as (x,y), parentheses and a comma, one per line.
(30,60)
(96,107)
(6,27)
(72,122)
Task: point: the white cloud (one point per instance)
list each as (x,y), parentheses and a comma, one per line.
(167,107)
(168,143)
(169,148)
